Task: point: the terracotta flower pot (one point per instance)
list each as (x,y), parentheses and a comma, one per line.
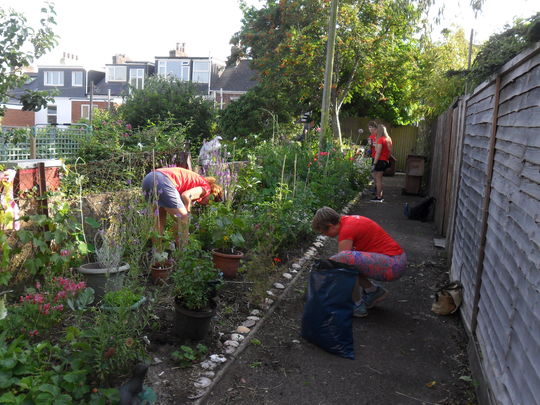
(227,263)
(160,271)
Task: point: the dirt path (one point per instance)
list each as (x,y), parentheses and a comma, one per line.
(405,354)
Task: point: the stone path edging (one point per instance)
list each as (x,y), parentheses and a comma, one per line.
(310,252)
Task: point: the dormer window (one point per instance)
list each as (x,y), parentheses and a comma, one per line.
(77,79)
(116,74)
(136,78)
(201,72)
(54,78)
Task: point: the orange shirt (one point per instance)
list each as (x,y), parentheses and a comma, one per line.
(184,179)
(367,236)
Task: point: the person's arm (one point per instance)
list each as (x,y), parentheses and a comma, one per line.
(191,195)
(345,244)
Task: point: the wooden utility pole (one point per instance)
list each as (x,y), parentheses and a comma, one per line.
(330,47)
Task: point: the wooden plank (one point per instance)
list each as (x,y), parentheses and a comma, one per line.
(529,117)
(524,69)
(529,98)
(524,135)
(477,130)
(480,105)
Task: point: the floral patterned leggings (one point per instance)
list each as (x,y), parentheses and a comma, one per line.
(375,266)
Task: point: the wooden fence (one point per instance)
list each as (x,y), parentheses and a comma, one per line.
(486,177)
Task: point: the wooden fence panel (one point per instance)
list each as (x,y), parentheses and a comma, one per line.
(507,323)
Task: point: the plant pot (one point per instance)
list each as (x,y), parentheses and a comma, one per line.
(103,279)
(227,263)
(189,324)
(160,272)
(130,308)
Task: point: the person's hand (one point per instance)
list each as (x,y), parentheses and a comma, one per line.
(372,168)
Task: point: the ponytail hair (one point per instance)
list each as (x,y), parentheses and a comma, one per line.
(381,131)
(215,189)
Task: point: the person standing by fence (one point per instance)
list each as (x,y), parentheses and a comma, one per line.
(381,160)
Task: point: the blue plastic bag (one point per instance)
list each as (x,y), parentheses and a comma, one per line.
(327,320)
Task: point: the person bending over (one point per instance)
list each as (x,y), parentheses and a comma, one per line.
(362,243)
(174,190)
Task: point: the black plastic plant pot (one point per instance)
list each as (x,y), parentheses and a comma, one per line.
(193,325)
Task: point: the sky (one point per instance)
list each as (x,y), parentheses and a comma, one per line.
(96,30)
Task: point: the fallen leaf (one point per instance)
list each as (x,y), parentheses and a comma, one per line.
(431,384)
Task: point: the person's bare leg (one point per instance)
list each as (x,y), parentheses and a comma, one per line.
(378,184)
(161,220)
(180,226)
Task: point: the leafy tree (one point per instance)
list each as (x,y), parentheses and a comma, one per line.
(22,45)
(443,70)
(375,50)
(259,111)
(502,47)
(169,99)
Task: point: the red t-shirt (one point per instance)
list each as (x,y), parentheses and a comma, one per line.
(367,236)
(372,140)
(184,179)
(385,149)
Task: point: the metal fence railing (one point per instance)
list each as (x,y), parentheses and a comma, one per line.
(42,142)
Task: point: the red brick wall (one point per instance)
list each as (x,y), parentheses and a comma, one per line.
(76,108)
(18,118)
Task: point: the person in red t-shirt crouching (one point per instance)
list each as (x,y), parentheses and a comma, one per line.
(174,190)
(362,243)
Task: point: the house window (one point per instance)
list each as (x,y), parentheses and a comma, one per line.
(85,110)
(136,78)
(116,73)
(52,114)
(54,78)
(77,79)
(162,68)
(184,71)
(201,72)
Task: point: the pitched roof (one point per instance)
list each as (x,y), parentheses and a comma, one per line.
(240,77)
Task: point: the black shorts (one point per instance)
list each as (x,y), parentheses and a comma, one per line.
(382,165)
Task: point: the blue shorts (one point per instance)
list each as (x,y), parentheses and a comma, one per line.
(157,187)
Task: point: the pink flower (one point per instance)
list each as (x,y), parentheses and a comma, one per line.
(128,127)
(44,309)
(58,307)
(38,285)
(64,252)
(38,298)
(60,295)
(34,332)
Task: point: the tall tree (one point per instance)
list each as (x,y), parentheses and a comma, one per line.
(375,48)
(21,46)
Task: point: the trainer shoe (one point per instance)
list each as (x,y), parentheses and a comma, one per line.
(360,310)
(377,199)
(372,298)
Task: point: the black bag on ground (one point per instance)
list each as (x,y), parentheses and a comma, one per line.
(421,211)
(327,320)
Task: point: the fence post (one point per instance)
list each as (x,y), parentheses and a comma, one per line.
(33,144)
(43,203)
